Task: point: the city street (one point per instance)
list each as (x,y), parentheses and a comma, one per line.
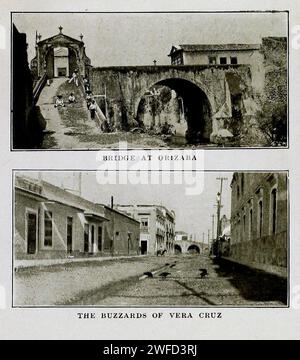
(122,283)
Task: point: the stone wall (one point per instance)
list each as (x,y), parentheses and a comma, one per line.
(255,238)
(125,87)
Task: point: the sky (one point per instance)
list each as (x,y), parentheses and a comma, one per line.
(193,212)
(137,39)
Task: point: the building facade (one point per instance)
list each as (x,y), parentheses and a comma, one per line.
(221,54)
(157,227)
(59,55)
(259,218)
(51,222)
(121,233)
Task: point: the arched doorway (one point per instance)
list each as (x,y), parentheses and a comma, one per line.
(177,249)
(60,62)
(193,249)
(178,106)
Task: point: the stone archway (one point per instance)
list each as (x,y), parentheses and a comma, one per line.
(43,62)
(177,249)
(193,119)
(193,249)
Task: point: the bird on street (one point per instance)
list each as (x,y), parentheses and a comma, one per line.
(203,273)
(149,274)
(164,274)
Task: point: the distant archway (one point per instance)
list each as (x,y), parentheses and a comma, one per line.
(193,249)
(177,249)
(188,111)
(60,62)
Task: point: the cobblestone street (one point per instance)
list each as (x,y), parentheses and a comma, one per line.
(122,283)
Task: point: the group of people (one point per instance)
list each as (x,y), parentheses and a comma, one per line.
(91,103)
(59,101)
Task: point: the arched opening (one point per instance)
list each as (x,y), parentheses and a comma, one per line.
(177,249)
(178,107)
(60,62)
(193,249)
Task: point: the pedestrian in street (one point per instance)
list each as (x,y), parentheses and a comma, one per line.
(92,109)
(59,101)
(72,98)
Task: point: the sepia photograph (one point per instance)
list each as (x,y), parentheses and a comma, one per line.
(210,80)
(82,241)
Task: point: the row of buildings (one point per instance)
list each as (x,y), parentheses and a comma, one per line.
(259,219)
(51,222)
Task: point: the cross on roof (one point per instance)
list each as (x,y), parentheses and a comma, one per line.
(60,29)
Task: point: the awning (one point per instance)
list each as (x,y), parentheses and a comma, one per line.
(94,216)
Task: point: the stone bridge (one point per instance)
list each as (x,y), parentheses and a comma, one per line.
(186,246)
(209,92)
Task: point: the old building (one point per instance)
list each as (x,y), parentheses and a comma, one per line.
(51,222)
(121,233)
(221,54)
(259,220)
(59,55)
(157,226)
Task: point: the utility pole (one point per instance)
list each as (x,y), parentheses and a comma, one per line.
(213,226)
(219,205)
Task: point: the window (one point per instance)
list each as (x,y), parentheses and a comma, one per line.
(212,60)
(223,60)
(242,183)
(233,60)
(250,223)
(47,228)
(177,60)
(273,210)
(260,218)
(144,224)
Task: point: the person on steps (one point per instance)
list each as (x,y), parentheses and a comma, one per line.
(92,109)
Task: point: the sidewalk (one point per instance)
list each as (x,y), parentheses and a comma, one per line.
(271,269)
(26,264)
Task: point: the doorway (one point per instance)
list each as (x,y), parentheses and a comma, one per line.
(69,234)
(144,247)
(93,238)
(86,238)
(31,219)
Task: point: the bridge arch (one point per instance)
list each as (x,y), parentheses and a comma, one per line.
(194,119)
(177,249)
(193,249)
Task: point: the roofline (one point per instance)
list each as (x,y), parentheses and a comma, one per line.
(66,36)
(231,47)
(119,212)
